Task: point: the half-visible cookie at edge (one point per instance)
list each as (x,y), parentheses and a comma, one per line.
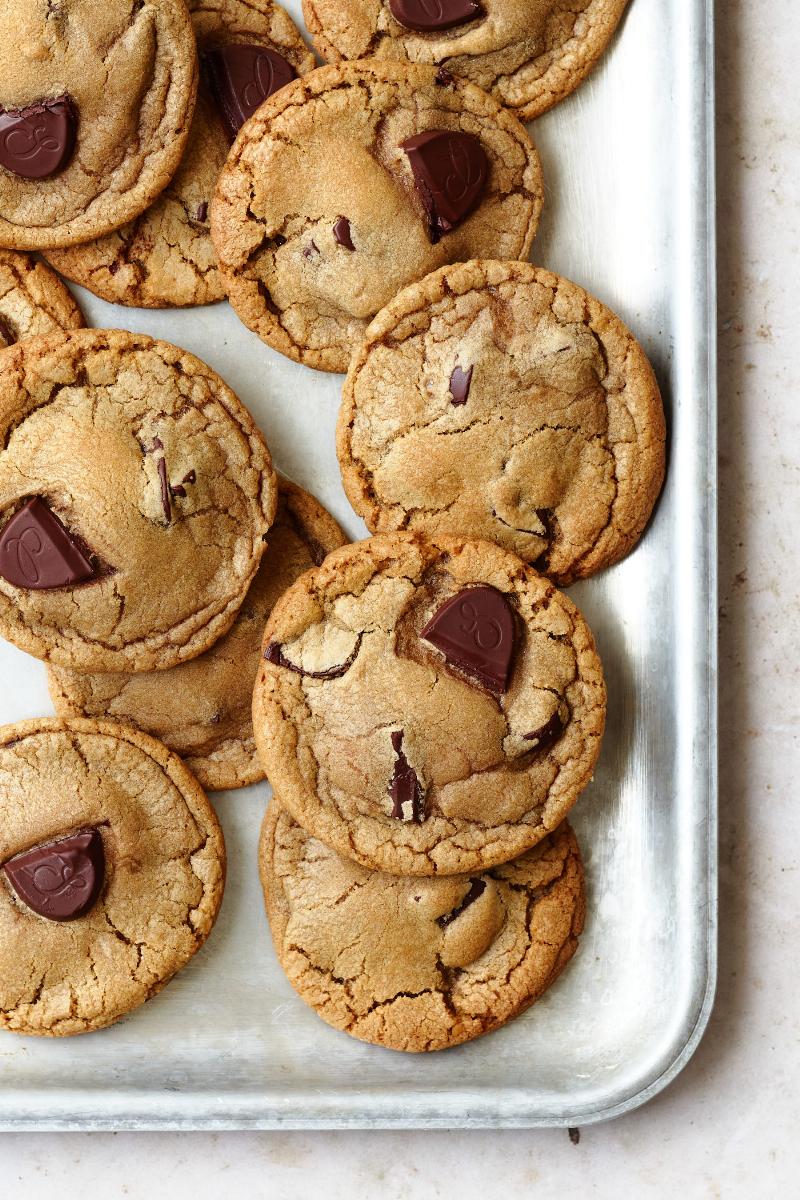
(165,258)
(33,300)
(428,707)
(112,867)
(135,496)
(498,400)
(419,964)
(202,709)
(528,53)
(356,180)
(96,101)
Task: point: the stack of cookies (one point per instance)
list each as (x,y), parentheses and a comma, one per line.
(426,704)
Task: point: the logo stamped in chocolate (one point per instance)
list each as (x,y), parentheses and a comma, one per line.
(425,16)
(242,77)
(450,170)
(60,881)
(476,632)
(37,552)
(38,141)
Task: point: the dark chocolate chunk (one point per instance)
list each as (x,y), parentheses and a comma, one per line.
(62,880)
(242,77)
(476,888)
(274,654)
(38,552)
(425,16)
(311,249)
(476,632)
(450,170)
(7,335)
(38,141)
(549,733)
(165,500)
(202,211)
(460,381)
(341,231)
(444,77)
(405,787)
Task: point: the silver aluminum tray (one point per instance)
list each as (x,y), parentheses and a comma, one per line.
(629,169)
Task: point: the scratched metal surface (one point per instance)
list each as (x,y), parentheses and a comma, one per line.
(629,214)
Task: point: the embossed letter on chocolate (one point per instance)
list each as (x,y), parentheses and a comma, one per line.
(38,141)
(37,552)
(62,880)
(475,631)
(427,15)
(242,77)
(450,169)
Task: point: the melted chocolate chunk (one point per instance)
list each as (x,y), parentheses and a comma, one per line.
(7,335)
(165,499)
(341,231)
(405,788)
(450,170)
(38,141)
(460,381)
(37,552)
(60,881)
(549,733)
(242,77)
(425,16)
(311,249)
(476,632)
(476,888)
(274,654)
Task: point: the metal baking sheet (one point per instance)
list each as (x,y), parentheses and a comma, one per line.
(629,170)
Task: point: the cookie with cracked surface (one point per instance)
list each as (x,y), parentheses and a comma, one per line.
(33,300)
(356,180)
(428,707)
(528,53)
(112,867)
(95,106)
(135,496)
(500,400)
(165,258)
(419,964)
(202,709)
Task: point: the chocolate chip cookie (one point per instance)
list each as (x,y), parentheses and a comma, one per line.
(135,496)
(502,401)
(96,102)
(356,180)
(202,709)
(33,300)
(428,707)
(165,258)
(112,866)
(528,53)
(419,964)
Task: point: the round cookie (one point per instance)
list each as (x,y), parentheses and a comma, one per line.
(165,258)
(135,495)
(419,964)
(112,867)
(528,53)
(356,180)
(202,709)
(498,400)
(96,102)
(428,707)
(33,300)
